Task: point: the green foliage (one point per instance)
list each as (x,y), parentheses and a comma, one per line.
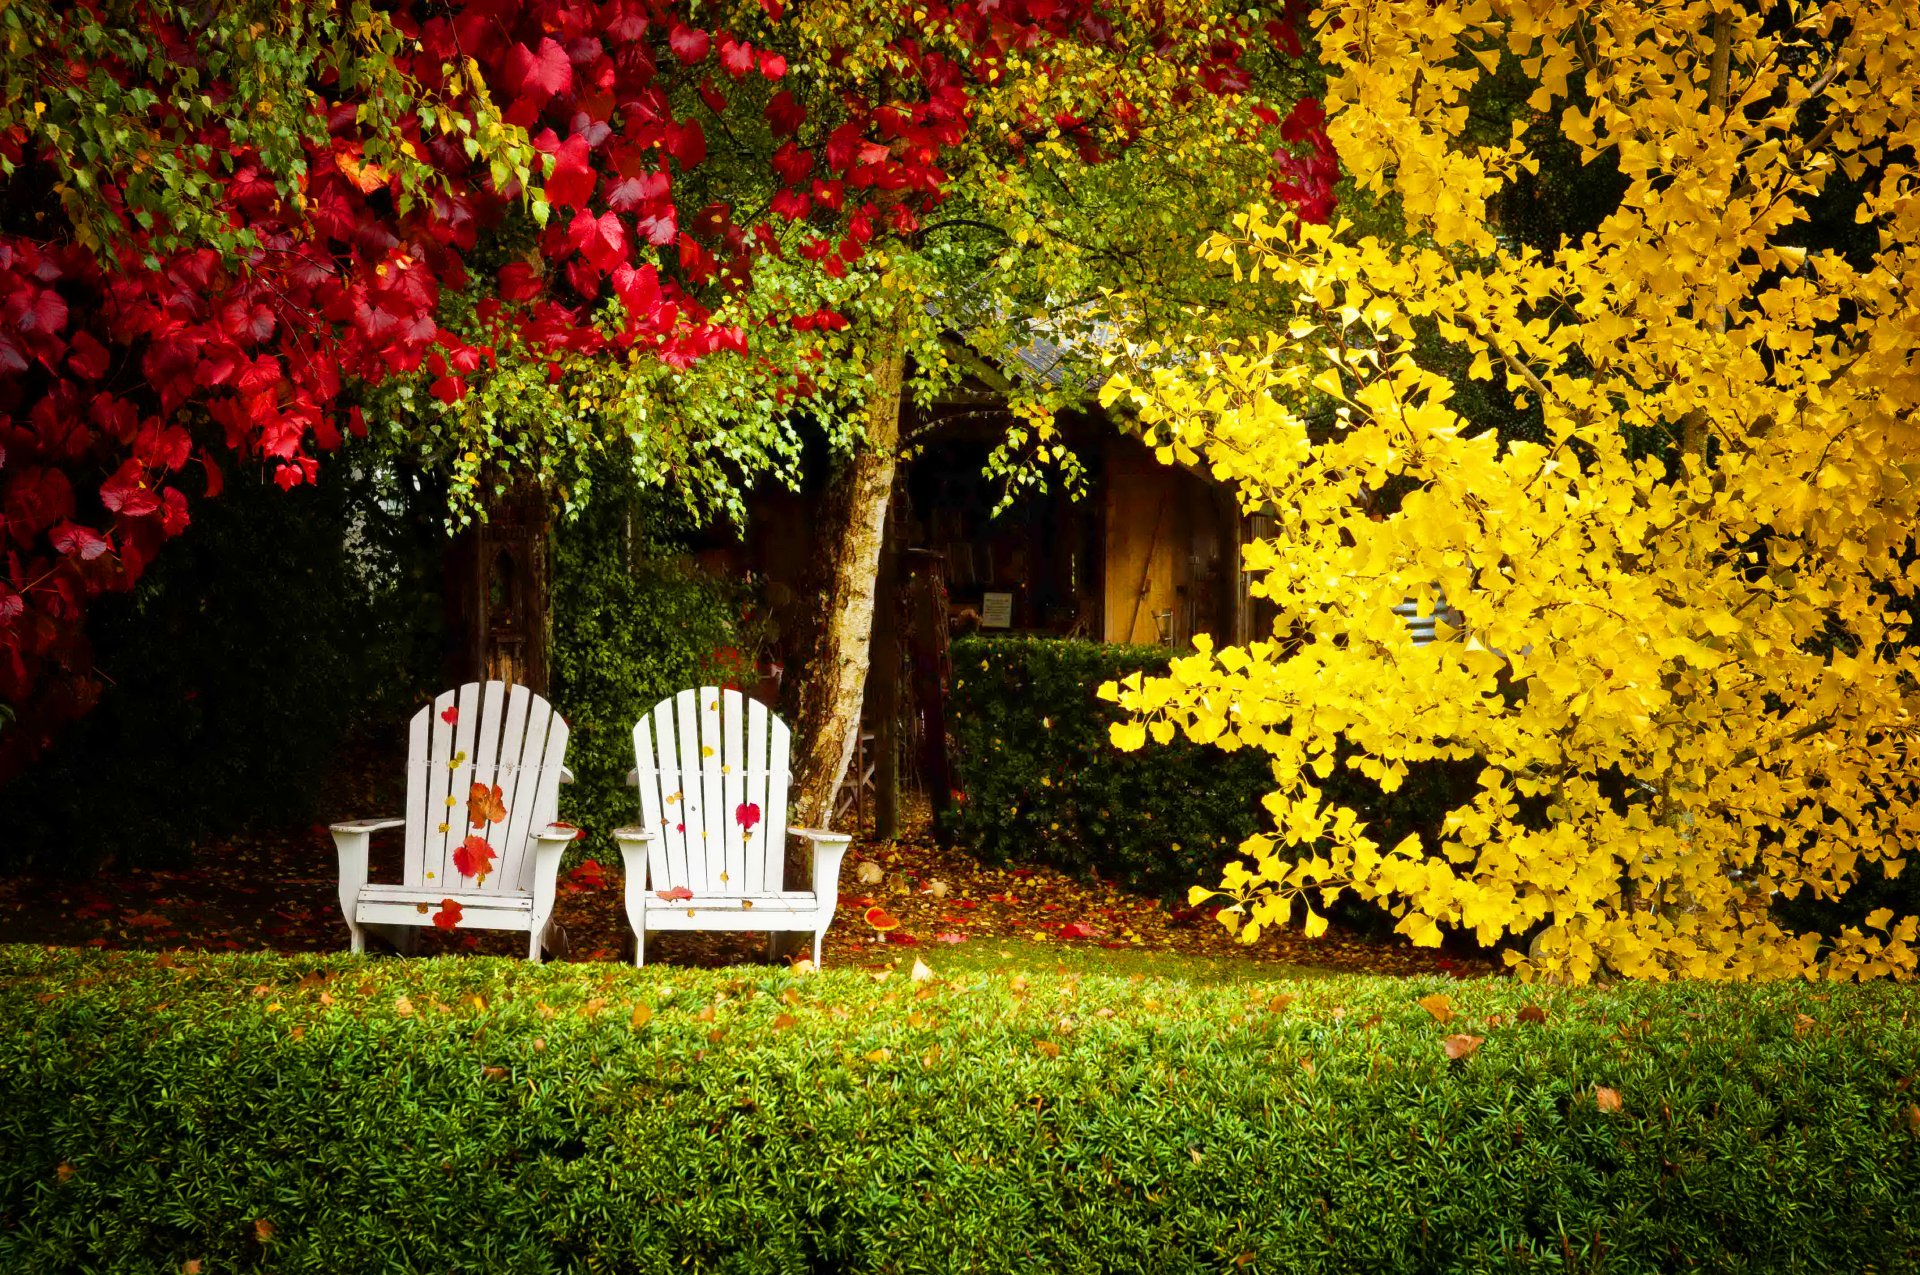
(279,1114)
(237,673)
(144,109)
(1043,783)
(1037,780)
(631,626)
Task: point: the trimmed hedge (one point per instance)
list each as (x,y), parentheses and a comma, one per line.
(1038,779)
(260,1113)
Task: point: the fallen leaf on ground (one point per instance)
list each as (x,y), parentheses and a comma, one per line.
(1441,1007)
(1532,1014)
(1462,1046)
(921,971)
(1606,1099)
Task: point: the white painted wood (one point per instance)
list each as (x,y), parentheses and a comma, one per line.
(417,795)
(691,795)
(525,814)
(502,735)
(713,804)
(707,753)
(754,793)
(733,788)
(774,814)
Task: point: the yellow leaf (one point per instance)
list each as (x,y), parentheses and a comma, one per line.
(642,1015)
(1441,1007)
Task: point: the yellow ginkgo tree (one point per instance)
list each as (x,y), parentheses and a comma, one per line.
(1676,624)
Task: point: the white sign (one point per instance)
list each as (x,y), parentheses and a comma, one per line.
(996,611)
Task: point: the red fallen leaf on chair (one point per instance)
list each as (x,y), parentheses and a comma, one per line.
(747,814)
(452,714)
(448,917)
(1079,930)
(486,805)
(474,858)
(578,832)
(882,920)
(676,894)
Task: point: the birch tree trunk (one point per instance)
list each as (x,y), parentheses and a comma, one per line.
(849,536)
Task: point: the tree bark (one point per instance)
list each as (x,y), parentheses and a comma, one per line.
(849,538)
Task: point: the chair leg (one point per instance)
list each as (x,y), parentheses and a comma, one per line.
(535,940)
(356,937)
(639,949)
(817,936)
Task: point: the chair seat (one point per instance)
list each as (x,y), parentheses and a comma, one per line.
(518,899)
(772,901)
(410,905)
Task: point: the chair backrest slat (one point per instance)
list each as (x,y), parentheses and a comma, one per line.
(692,797)
(500,736)
(650,813)
(704,757)
(525,808)
(419,750)
(753,794)
(773,815)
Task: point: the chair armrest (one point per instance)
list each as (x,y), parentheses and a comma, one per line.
(557,832)
(364,825)
(566,775)
(633,777)
(821,836)
(633,843)
(828,849)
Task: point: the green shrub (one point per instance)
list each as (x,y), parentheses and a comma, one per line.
(338,1114)
(1038,779)
(631,626)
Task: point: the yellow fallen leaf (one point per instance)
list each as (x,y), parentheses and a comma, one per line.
(1048,1048)
(783,1021)
(403,1007)
(1441,1007)
(880,1056)
(1278,1004)
(642,1015)
(803,966)
(921,971)
(1606,1099)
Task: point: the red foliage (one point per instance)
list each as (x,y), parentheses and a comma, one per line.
(114,378)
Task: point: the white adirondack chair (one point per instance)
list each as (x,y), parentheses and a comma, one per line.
(490,734)
(710,854)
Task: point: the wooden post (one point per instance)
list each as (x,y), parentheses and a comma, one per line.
(500,593)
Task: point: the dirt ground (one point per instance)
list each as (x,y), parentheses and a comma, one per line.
(279,893)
